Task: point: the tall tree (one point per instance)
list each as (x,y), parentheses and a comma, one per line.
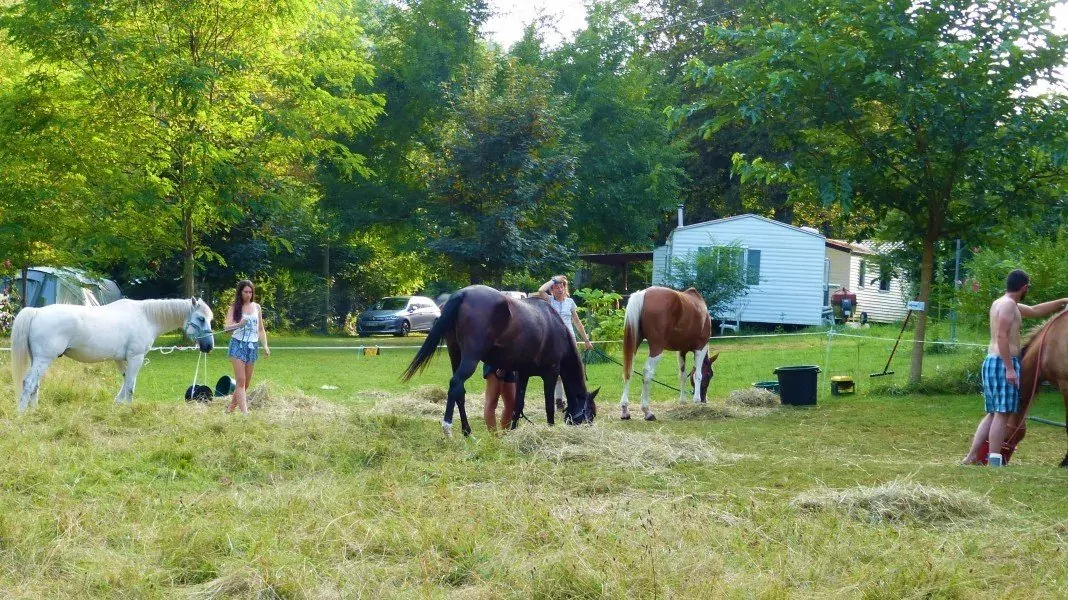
(629,173)
(226,101)
(916,110)
(504,177)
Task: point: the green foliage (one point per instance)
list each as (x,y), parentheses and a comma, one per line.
(859,90)
(1041,257)
(602,316)
(717,272)
(216,110)
(503,180)
(629,167)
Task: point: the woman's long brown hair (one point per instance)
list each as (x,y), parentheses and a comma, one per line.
(236,309)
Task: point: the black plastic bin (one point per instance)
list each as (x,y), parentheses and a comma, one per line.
(797,385)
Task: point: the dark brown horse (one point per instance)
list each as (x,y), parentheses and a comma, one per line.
(478,323)
(670,320)
(1044,358)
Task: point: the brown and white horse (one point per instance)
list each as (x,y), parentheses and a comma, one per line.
(669,320)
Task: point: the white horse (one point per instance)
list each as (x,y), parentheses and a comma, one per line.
(122,331)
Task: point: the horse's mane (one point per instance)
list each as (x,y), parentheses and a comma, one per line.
(1032,334)
(169,310)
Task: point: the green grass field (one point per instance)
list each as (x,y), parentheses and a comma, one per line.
(329,493)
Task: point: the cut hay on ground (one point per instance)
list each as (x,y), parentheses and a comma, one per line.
(243,583)
(753,397)
(689,411)
(613,447)
(263,399)
(898,501)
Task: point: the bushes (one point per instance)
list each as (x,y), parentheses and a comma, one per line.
(1042,258)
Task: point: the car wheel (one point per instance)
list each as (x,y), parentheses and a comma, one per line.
(404,329)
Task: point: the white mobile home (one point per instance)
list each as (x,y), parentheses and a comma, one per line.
(881,294)
(787,264)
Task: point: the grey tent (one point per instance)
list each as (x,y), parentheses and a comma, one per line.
(51,285)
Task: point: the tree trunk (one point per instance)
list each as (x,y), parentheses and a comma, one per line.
(188,284)
(926,277)
(326,284)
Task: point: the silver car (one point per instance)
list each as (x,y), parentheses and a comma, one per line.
(398,315)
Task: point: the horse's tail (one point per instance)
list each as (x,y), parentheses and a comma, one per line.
(445,323)
(632,329)
(20,347)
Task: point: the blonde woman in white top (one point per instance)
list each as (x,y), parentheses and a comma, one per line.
(245,318)
(556,293)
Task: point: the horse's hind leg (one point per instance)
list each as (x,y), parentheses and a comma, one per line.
(550,389)
(31,383)
(647,378)
(456,396)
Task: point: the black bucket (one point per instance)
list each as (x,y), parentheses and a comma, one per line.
(198,393)
(797,385)
(225,386)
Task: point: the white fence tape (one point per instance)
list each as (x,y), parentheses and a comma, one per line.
(829,334)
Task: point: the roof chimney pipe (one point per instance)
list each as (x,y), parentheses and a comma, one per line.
(680,213)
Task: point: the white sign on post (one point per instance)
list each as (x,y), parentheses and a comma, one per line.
(916,305)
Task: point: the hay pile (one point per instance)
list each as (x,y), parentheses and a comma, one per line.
(754,398)
(262,398)
(898,501)
(242,583)
(613,447)
(740,404)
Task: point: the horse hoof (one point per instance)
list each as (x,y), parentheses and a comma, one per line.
(650,417)
(1064,463)
(446,428)
(624,418)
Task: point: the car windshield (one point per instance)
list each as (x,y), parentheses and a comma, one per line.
(397,303)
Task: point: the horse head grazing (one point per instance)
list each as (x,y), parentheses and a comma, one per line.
(707,373)
(198,325)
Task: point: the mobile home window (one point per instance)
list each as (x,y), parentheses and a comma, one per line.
(752,267)
(863,273)
(884,278)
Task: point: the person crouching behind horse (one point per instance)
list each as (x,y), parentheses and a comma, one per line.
(555,291)
(499,384)
(245,318)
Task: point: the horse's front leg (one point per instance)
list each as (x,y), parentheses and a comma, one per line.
(698,374)
(31,383)
(129,380)
(121,364)
(682,376)
(520,399)
(456,396)
(647,378)
(1063,385)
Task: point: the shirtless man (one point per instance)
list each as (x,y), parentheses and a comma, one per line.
(1001,368)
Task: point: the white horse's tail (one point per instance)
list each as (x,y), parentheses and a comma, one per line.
(632,330)
(20,347)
